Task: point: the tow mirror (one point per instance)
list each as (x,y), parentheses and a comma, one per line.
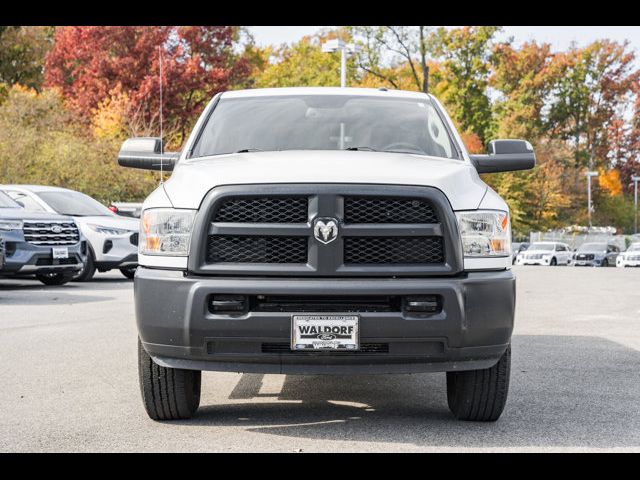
(144,153)
(505,156)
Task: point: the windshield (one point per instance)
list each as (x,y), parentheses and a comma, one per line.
(7,202)
(325,122)
(591,247)
(74,204)
(547,247)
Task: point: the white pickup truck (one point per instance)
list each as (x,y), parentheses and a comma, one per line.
(325,231)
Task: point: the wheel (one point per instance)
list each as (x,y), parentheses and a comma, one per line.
(554,262)
(605,263)
(128,272)
(480,395)
(88,271)
(54,278)
(167,393)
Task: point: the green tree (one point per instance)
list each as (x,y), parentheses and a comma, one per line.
(463,79)
(22,54)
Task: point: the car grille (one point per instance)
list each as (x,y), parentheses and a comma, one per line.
(263,210)
(253,249)
(534,256)
(382,231)
(585,256)
(388,210)
(634,258)
(393,250)
(44,233)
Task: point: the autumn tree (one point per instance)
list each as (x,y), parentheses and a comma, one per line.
(90,64)
(594,85)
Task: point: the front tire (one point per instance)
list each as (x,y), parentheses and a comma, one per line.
(480,395)
(88,271)
(128,272)
(55,278)
(167,393)
(605,263)
(554,262)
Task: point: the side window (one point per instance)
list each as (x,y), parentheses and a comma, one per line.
(26,201)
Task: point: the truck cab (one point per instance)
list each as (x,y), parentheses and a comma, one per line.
(325,231)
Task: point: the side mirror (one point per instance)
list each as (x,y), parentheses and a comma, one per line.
(144,153)
(505,156)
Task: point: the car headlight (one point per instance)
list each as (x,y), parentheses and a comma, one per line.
(7,225)
(485,233)
(108,230)
(166,231)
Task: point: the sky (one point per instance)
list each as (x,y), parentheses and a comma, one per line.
(559,37)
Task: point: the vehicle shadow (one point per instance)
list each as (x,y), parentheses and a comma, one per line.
(32,292)
(566,391)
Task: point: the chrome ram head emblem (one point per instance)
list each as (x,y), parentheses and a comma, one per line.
(325,229)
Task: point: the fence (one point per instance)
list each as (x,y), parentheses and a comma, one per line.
(575,239)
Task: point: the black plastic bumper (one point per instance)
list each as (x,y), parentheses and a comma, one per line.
(470,332)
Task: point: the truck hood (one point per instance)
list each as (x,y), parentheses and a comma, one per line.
(22,214)
(193,178)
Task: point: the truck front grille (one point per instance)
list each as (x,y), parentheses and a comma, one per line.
(263,210)
(51,233)
(388,210)
(381,231)
(256,249)
(393,250)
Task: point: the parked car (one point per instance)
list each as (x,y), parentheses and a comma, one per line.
(325,230)
(113,240)
(596,254)
(1,254)
(516,248)
(545,253)
(47,245)
(126,209)
(630,258)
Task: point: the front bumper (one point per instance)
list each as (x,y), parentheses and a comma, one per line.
(627,263)
(587,263)
(23,258)
(114,251)
(542,261)
(471,331)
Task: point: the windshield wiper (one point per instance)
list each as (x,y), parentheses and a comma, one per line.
(355,149)
(247,150)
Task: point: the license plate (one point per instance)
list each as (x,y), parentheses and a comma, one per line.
(60,252)
(581,263)
(325,332)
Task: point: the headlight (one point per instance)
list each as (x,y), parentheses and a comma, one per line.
(485,233)
(166,231)
(7,225)
(108,230)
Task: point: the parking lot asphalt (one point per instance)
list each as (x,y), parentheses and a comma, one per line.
(69,382)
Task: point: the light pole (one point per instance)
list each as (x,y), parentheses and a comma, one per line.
(635,179)
(589,175)
(345,48)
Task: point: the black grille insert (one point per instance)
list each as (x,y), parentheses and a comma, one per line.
(285,348)
(263,210)
(393,250)
(256,249)
(325,303)
(388,210)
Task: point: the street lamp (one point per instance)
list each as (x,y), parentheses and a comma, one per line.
(589,175)
(635,179)
(336,44)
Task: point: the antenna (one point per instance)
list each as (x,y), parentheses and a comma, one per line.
(161,132)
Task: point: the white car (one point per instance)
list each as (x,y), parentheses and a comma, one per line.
(630,258)
(113,239)
(546,254)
